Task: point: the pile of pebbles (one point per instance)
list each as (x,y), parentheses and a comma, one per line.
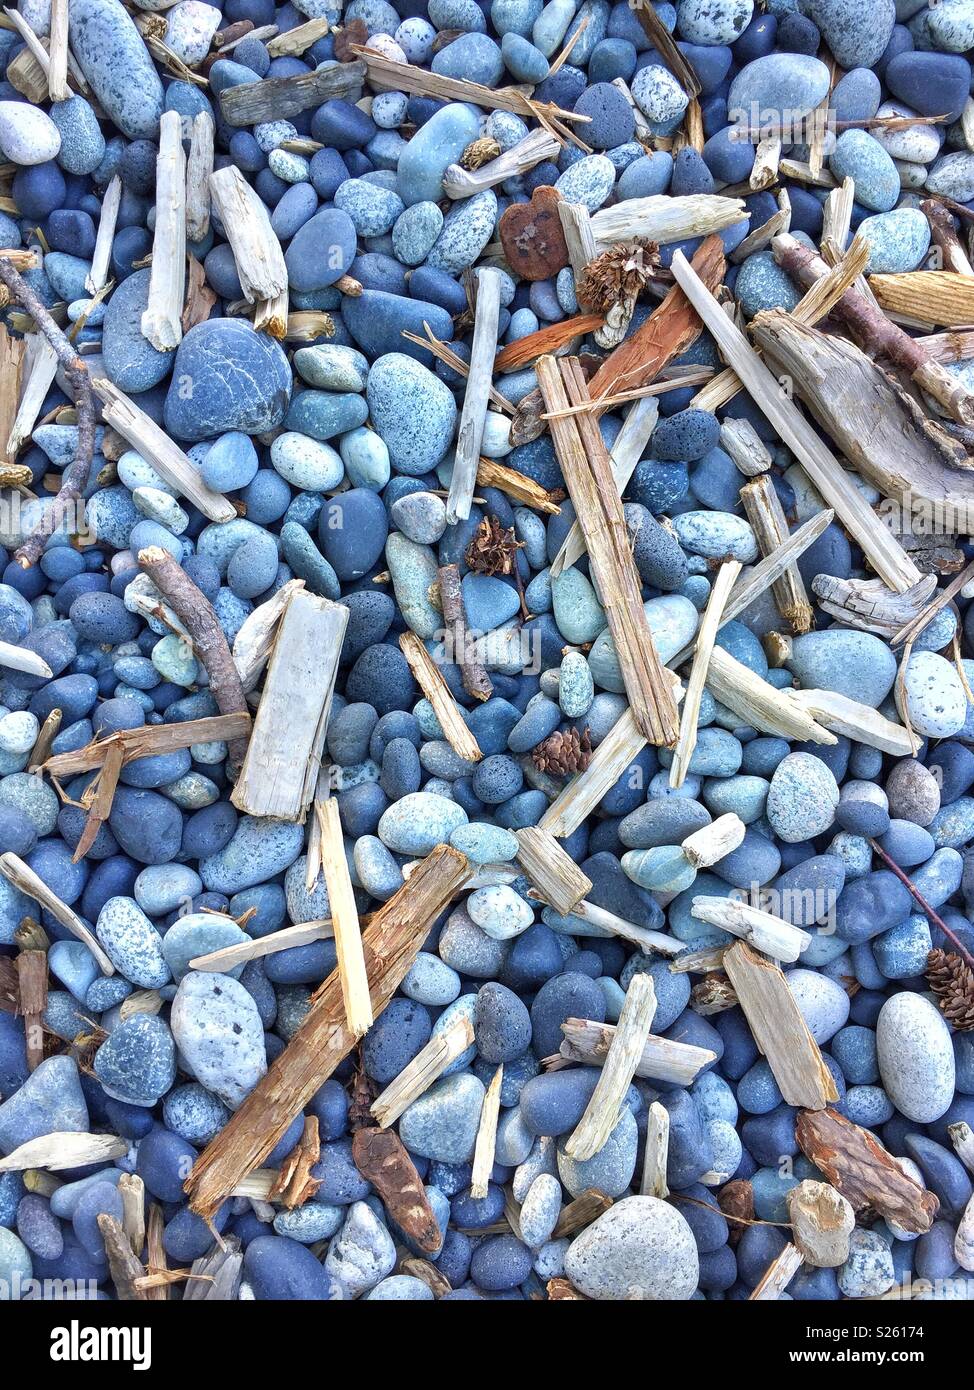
(361,424)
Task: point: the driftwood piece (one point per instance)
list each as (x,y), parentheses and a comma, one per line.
(518,486)
(822,1221)
(483,1153)
(470,430)
(762,930)
(709,844)
(38,368)
(97,277)
(301,934)
(857,1165)
(943,235)
(760,704)
(21,659)
(57,72)
(199,167)
(381,1158)
(524,351)
(391,943)
(663,219)
(418,1075)
(476,681)
(779,1029)
(667,48)
(344,920)
(430,680)
(576,223)
(22,876)
(939,297)
(764,511)
(557,878)
(880,547)
(162,319)
(868,605)
(147,740)
(215,1277)
(256,250)
(54,1152)
(254,643)
(840,714)
(293,42)
(663,1060)
(625,1052)
(653,1180)
(706,636)
(278,98)
(535,147)
(32,982)
(778,1275)
(12,354)
(131,1189)
(126,1269)
(588,474)
(962,1137)
(280,769)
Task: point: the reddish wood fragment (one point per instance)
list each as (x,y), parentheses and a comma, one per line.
(736,1201)
(381,1158)
(547,339)
(295,1185)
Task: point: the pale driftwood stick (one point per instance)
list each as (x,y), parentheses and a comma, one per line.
(628,449)
(293,42)
(621,745)
(256,249)
(706,635)
(491,473)
(933,296)
(778,1275)
(126,1269)
(20,659)
(762,236)
(837,214)
(146,740)
(13,353)
(767,157)
(254,642)
(97,277)
(767,517)
(653,1181)
(868,605)
(199,167)
(161,321)
(881,548)
(588,475)
(845,716)
(280,769)
(282,97)
(554,873)
(822,1221)
(962,1138)
(57,72)
(801,172)
(618,1069)
(63,1150)
(344,920)
(155,446)
(229,957)
(763,930)
(428,1064)
(576,223)
(483,1154)
(663,219)
(536,146)
(662,1060)
(949,347)
(32,981)
(643,937)
(479,374)
(779,1029)
(131,1189)
(22,876)
(430,680)
(709,844)
(760,704)
(392,942)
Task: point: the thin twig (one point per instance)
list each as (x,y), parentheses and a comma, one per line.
(937,920)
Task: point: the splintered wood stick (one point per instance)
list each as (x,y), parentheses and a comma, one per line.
(778,1275)
(161,321)
(431,682)
(581,1212)
(20,659)
(97,277)
(280,769)
(279,98)
(763,930)
(933,296)
(131,1189)
(822,1221)
(554,873)
(536,146)
(944,236)
(479,376)
(54,1152)
(254,643)
(653,1181)
(589,1042)
(962,1137)
(764,511)
(523,351)
(576,223)
(628,449)
(709,844)
(155,446)
(607,922)
(881,548)
(12,353)
(229,957)
(837,214)
(483,1153)
(779,1029)
(32,978)
(22,876)
(293,42)
(127,1270)
(767,156)
(57,72)
(664,219)
(155,1255)
(625,1052)
(344,920)
(476,681)
(588,474)
(199,167)
(418,1075)
(247,226)
(867,604)
(517,485)
(146,740)
(391,943)
(706,636)
(762,236)
(38,368)
(760,704)
(842,715)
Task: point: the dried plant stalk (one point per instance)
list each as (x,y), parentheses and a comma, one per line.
(653,1180)
(199,167)
(256,250)
(625,1052)
(589,1042)
(430,680)
(706,636)
(162,319)
(483,1153)
(762,930)
(54,1152)
(418,1076)
(554,873)
(22,876)
(344,920)
(766,515)
(779,1029)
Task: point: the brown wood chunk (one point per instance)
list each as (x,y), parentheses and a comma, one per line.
(382,1160)
(532,237)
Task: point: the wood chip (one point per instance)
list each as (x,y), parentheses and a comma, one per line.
(279,98)
(762,930)
(764,511)
(294,1184)
(589,1042)
(557,878)
(625,1052)
(344,920)
(706,636)
(381,1158)
(162,319)
(778,1275)
(22,876)
(64,1150)
(418,1075)
(483,1154)
(126,1269)
(247,225)
(822,1221)
(653,1180)
(663,219)
(586,1208)
(430,679)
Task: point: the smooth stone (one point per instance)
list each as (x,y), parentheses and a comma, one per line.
(50,1101)
(261,848)
(802,798)
(137,1062)
(218,1031)
(855,664)
(417,822)
(788,83)
(226,377)
(111,54)
(916,1057)
(412,411)
(132,943)
(27,134)
(641,1247)
(442,1124)
(934,696)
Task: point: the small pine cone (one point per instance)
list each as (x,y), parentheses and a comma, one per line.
(952,980)
(480,152)
(562,754)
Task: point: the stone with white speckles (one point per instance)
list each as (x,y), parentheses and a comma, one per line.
(916,1057)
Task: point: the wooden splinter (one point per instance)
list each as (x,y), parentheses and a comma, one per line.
(706,636)
(483,1154)
(344,919)
(430,680)
(628,1042)
(479,379)
(162,319)
(766,515)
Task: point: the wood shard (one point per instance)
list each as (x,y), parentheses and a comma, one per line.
(278,98)
(64,1150)
(247,225)
(162,320)
(589,1042)
(625,1052)
(22,876)
(556,876)
(344,920)
(653,1181)
(857,1165)
(391,943)
(418,1075)
(294,1184)
(483,1154)
(778,1275)
(381,1158)
(430,679)
(779,1029)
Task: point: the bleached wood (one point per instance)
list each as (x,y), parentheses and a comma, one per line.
(762,236)
(161,320)
(625,1051)
(199,167)
(279,98)
(643,937)
(698,962)
(22,876)
(256,250)
(643,130)
(779,1029)
(962,1137)
(146,741)
(847,717)
(64,1150)
(653,1180)
(837,214)
(964,1238)
(770,710)
(37,373)
(344,920)
(20,659)
(57,73)
(254,642)
(767,157)
(293,42)
(284,754)
(629,447)
(663,219)
(97,276)
(431,681)
(706,636)
(554,873)
(662,1060)
(535,147)
(764,511)
(709,844)
(415,1078)
(801,172)
(822,297)
(229,957)
(155,446)
(518,486)
(576,223)
(483,1153)
(131,1189)
(470,430)
(763,930)
(778,1275)
(822,1220)
(941,297)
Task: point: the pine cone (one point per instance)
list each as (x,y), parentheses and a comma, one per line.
(618,275)
(561,754)
(480,152)
(952,980)
(493,550)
